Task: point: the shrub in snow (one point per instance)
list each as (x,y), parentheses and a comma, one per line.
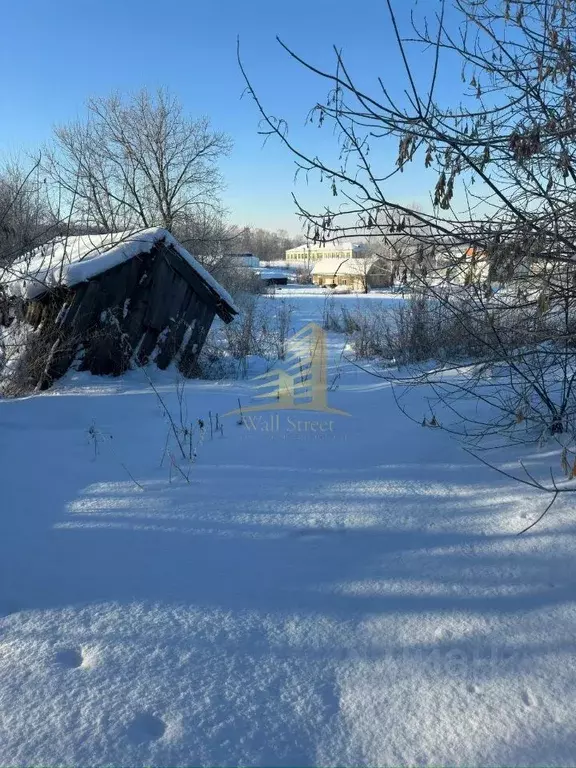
(517,362)
(256,339)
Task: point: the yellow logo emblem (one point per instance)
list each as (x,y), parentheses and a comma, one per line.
(302,383)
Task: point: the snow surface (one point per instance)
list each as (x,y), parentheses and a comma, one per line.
(72,260)
(357,597)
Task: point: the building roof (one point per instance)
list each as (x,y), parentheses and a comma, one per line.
(355,267)
(327,247)
(72,260)
(268,273)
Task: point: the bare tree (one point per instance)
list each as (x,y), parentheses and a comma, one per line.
(493,255)
(25,216)
(267,245)
(138,162)
(208,234)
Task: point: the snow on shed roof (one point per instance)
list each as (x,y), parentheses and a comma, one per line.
(352,266)
(75,259)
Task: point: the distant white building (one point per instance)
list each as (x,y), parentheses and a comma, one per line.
(357,274)
(244,259)
(462,266)
(310,253)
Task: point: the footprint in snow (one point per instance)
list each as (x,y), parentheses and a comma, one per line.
(146,727)
(71,658)
(529,699)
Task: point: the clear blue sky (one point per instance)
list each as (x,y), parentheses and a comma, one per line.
(54,55)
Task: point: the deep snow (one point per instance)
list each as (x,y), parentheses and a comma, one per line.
(359,597)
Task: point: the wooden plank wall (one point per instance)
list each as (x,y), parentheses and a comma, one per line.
(141,307)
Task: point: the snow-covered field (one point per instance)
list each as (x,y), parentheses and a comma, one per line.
(349,596)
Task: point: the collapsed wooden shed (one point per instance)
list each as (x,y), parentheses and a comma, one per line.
(116,300)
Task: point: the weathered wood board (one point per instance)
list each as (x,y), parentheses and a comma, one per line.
(153,304)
